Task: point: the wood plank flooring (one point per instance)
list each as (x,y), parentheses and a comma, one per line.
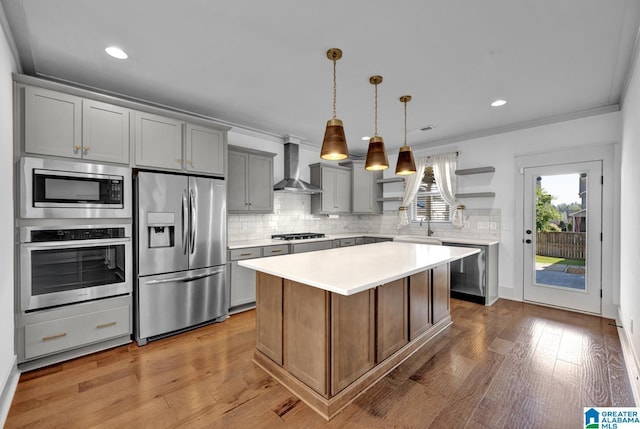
(511,365)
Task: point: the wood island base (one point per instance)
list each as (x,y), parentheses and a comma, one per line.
(328,348)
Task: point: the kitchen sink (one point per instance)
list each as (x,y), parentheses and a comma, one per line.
(417,239)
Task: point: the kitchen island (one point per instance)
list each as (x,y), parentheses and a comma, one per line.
(331,323)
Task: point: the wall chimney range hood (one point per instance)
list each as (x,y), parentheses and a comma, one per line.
(291,181)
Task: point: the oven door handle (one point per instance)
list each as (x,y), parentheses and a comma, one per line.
(183,278)
(76,243)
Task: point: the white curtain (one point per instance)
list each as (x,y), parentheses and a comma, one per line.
(411,186)
(444,171)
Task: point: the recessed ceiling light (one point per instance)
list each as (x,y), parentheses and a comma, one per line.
(116,52)
(498,103)
(365,138)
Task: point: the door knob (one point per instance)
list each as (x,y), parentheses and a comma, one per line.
(528,241)
(528,231)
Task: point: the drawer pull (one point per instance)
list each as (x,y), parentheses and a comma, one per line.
(53,337)
(105,325)
(276,251)
(245,254)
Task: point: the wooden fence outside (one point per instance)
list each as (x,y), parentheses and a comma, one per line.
(570,245)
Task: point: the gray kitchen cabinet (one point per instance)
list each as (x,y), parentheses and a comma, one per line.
(249,181)
(311,246)
(204,148)
(56,334)
(243,280)
(366,192)
(60,124)
(158,141)
(335,182)
(105,132)
(52,123)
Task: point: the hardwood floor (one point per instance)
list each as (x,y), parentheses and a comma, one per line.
(512,365)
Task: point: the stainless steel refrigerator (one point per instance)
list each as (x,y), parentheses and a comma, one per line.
(180,224)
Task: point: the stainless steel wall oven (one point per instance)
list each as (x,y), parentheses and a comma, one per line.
(68,264)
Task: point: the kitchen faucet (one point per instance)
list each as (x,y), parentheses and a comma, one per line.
(429,232)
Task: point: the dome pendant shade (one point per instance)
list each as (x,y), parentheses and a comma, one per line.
(406,164)
(334,144)
(376,155)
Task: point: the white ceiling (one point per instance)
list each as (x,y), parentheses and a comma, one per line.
(262,64)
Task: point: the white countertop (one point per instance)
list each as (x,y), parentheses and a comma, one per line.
(349,270)
(270,242)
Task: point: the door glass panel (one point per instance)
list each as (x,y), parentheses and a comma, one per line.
(57,270)
(561,231)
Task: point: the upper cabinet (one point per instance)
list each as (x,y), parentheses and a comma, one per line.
(64,121)
(59,124)
(365,189)
(249,181)
(336,189)
(158,141)
(204,150)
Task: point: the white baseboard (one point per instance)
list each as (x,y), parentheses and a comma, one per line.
(8,389)
(630,359)
(507,293)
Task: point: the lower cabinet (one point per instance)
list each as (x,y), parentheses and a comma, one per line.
(62,334)
(440,291)
(242,294)
(419,303)
(269,319)
(392,318)
(53,335)
(327,341)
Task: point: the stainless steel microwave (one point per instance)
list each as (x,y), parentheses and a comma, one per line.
(56,189)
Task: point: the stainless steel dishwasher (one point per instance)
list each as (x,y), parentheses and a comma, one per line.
(475,278)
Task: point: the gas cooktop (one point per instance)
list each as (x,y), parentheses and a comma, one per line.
(297,236)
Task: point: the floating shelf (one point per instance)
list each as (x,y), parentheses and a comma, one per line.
(477,195)
(389,199)
(391,180)
(478,170)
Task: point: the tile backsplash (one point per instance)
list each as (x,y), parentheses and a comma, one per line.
(292,214)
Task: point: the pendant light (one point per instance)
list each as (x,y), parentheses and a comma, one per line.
(406,164)
(334,144)
(376,155)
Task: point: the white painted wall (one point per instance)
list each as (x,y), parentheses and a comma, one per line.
(500,151)
(7,350)
(629,208)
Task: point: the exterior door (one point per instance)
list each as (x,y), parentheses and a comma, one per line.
(562,235)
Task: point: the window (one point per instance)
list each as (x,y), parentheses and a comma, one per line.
(429,202)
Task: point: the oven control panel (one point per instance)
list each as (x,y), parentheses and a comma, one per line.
(44,235)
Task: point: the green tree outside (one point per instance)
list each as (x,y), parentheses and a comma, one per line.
(545,211)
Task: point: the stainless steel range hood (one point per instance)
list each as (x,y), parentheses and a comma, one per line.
(291,181)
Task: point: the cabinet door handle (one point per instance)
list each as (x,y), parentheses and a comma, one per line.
(245,254)
(76,148)
(190,162)
(53,337)
(276,251)
(105,325)
(86,148)
(179,161)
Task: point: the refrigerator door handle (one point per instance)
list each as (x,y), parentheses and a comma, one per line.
(194,221)
(185,216)
(183,279)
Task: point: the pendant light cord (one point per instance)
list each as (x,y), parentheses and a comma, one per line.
(334,87)
(405,123)
(375,109)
